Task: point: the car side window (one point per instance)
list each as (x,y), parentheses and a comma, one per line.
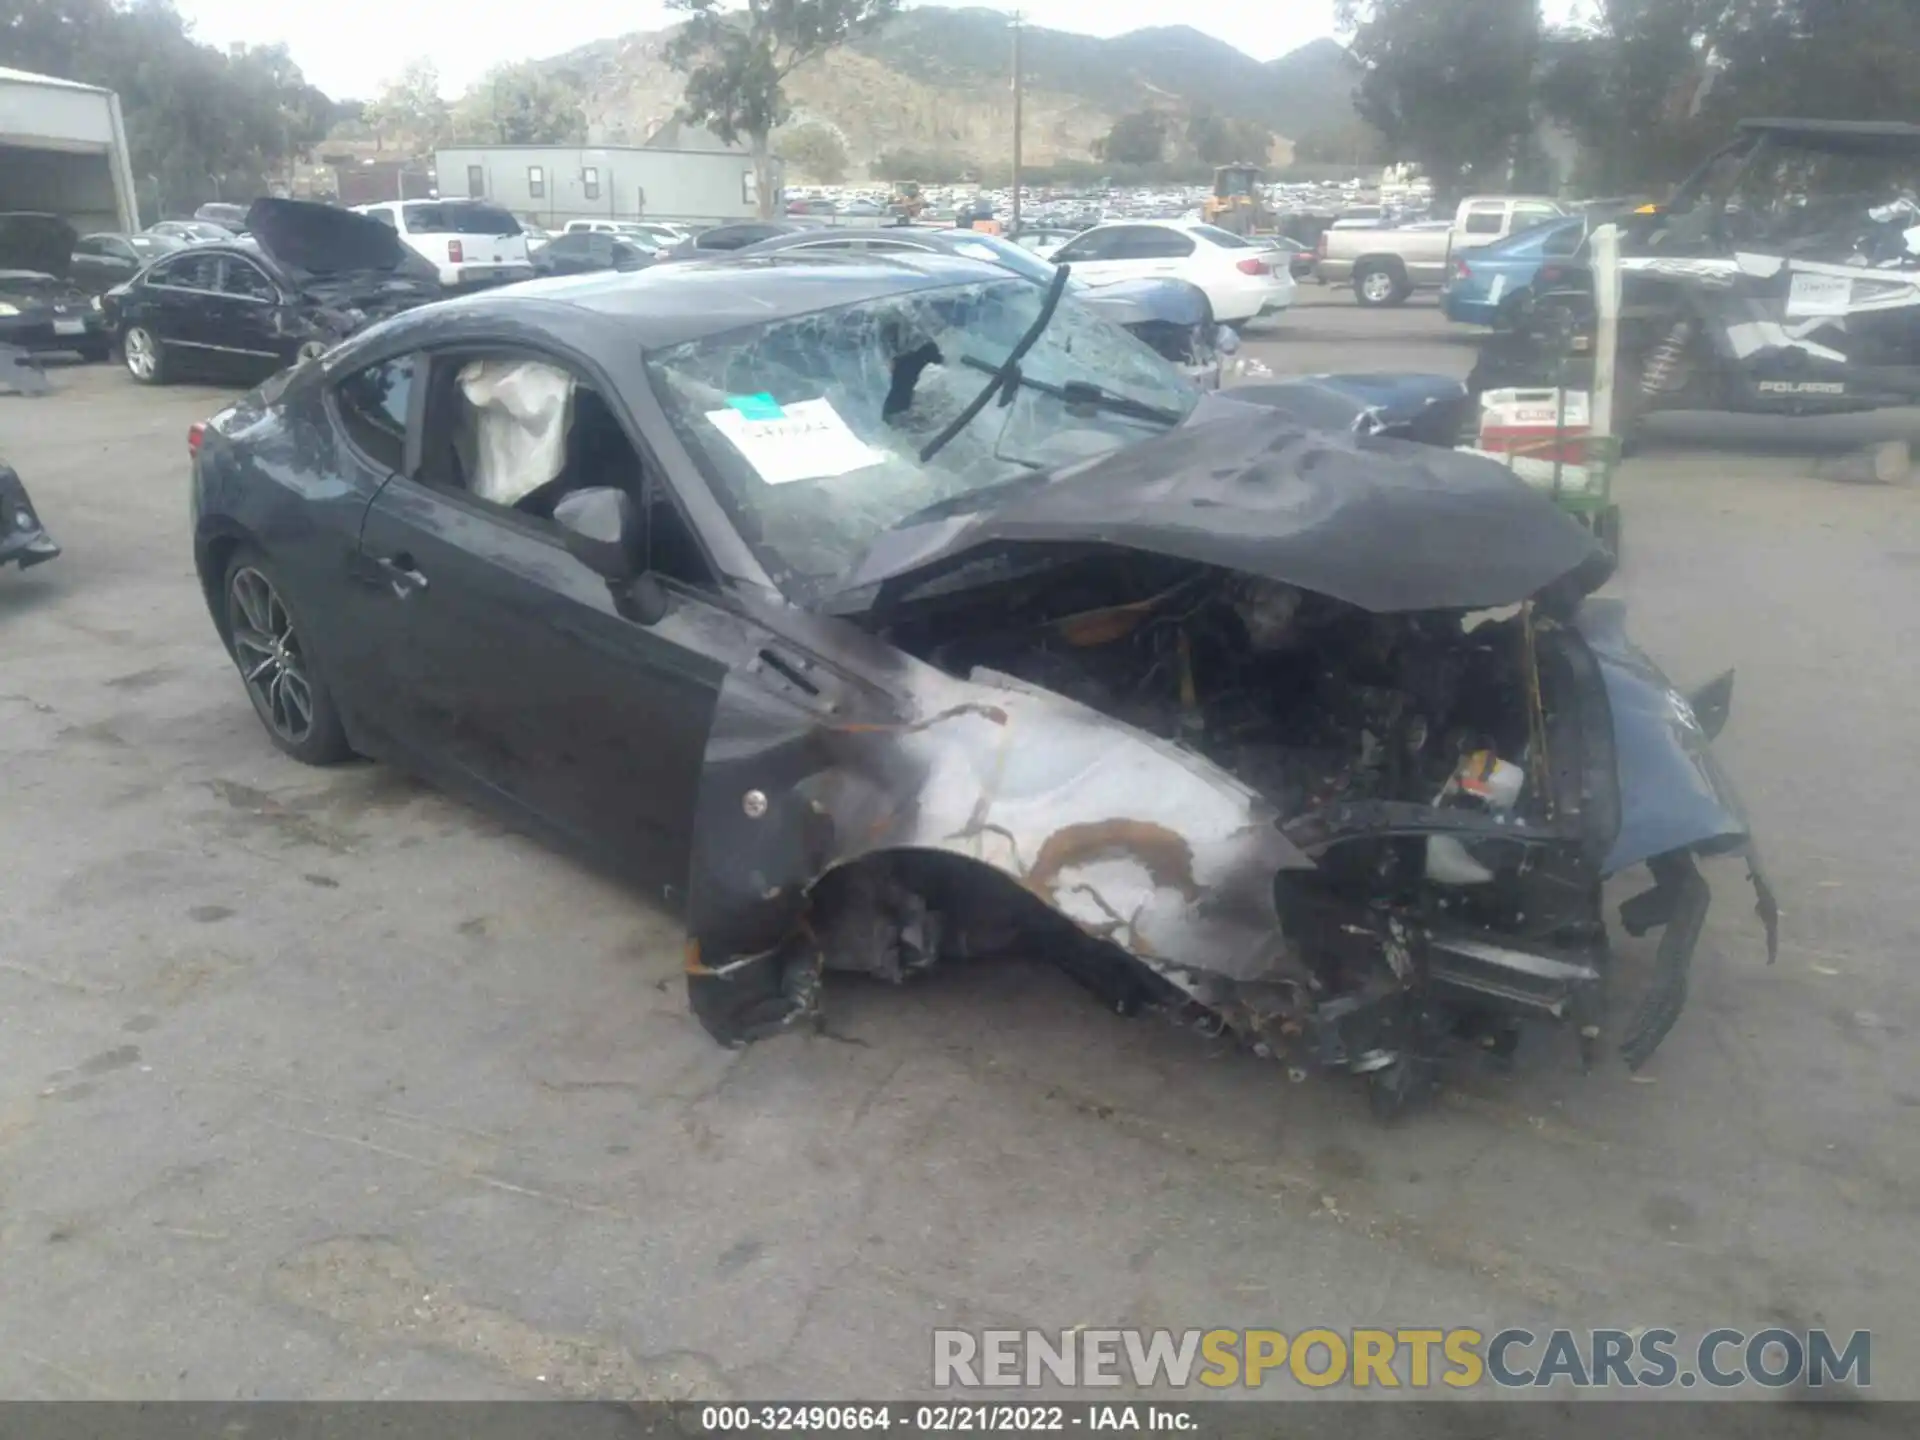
(1150,243)
(488,436)
(190,272)
(575,242)
(1483,220)
(243,277)
(1097,246)
(600,249)
(373,405)
(1563,242)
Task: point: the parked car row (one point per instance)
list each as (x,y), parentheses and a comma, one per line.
(286,280)
(41,308)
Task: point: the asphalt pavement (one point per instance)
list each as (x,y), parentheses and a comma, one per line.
(319,1084)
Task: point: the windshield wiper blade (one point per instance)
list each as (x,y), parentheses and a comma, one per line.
(1085,392)
(1004,371)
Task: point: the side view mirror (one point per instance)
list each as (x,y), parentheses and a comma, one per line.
(602,532)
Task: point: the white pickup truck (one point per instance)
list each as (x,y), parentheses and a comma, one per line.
(1386,266)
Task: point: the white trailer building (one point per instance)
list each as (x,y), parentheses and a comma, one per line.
(551,184)
(63,149)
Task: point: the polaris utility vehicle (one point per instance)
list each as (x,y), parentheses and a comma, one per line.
(1781,278)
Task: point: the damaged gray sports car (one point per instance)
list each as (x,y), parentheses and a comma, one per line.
(887,612)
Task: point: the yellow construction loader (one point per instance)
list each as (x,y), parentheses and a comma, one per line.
(1235,203)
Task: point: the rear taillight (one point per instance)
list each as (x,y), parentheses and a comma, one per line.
(1460,271)
(1251,266)
(454,253)
(1551,275)
(196,432)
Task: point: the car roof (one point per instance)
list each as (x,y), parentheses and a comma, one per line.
(666,305)
(813,235)
(1156,224)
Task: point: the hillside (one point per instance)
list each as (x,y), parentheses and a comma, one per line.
(936,81)
(963,49)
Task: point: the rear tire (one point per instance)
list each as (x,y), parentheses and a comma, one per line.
(145,357)
(1379,285)
(279,670)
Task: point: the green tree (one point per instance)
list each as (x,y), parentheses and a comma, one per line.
(932,167)
(201,123)
(814,150)
(521,104)
(1449,83)
(1624,84)
(1217,139)
(1137,138)
(737,62)
(1354,143)
(410,109)
(1207,136)
(1247,141)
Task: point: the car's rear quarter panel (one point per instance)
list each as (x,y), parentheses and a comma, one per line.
(272,473)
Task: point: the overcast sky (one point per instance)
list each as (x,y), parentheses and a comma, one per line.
(348,47)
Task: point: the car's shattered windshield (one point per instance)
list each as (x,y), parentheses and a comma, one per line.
(811,428)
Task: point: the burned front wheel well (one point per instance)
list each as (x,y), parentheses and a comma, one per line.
(893,914)
(927,904)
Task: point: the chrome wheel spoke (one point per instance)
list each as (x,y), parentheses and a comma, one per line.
(267,651)
(297,698)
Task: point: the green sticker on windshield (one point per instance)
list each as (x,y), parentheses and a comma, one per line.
(757,407)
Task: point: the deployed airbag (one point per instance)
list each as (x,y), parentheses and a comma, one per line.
(515,436)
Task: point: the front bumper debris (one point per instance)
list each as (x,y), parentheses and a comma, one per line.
(23,539)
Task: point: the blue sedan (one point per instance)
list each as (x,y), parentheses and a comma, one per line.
(1484,285)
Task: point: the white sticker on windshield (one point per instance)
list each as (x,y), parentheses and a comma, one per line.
(1819,294)
(809,441)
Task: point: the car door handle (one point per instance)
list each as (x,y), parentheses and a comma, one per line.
(401,574)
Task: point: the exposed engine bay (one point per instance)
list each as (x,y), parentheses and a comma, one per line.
(1409,754)
(1250,723)
(1306,699)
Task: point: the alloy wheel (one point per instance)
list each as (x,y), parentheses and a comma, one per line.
(1378,285)
(270,656)
(142,358)
(311,350)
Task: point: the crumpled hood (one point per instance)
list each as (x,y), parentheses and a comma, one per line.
(313,239)
(1387,525)
(40,243)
